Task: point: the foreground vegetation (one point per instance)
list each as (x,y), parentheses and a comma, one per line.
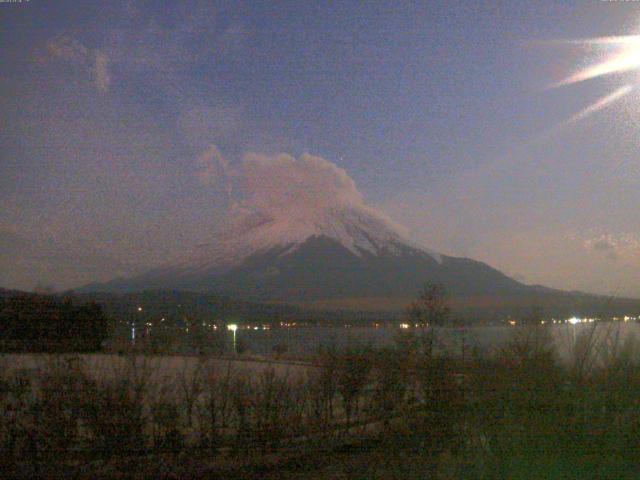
(45,323)
(515,413)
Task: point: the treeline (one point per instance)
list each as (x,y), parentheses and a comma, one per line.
(44,323)
(196,307)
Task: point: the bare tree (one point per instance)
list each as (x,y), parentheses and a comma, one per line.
(431,310)
(353,368)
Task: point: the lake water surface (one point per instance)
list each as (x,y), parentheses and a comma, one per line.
(305,340)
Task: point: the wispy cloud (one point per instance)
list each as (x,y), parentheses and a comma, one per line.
(213,168)
(101,72)
(207,122)
(625,247)
(141,41)
(68,49)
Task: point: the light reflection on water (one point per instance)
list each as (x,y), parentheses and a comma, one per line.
(305,340)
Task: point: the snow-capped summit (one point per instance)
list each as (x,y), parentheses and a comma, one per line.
(358,230)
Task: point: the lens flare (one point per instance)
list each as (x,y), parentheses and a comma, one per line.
(622,62)
(624,59)
(598,105)
(621,54)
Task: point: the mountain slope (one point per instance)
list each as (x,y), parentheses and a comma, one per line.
(322,268)
(291,268)
(344,259)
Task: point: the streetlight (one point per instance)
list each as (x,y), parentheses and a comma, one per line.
(233,327)
(134,320)
(574,321)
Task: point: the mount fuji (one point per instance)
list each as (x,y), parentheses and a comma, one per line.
(349,257)
(302,234)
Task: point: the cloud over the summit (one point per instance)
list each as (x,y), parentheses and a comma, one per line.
(282,187)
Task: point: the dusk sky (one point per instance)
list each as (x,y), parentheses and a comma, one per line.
(129,130)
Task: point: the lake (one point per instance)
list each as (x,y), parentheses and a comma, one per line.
(305,340)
